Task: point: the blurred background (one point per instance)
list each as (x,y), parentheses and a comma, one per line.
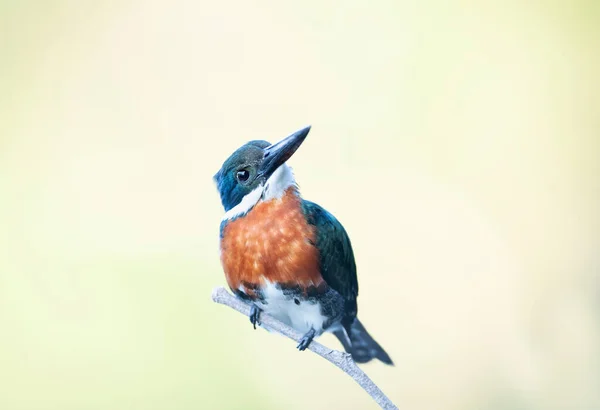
(457,142)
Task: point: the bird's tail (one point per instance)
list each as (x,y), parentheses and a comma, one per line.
(361,345)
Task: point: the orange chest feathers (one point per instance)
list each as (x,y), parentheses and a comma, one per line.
(271,243)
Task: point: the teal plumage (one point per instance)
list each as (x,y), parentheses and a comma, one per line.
(286,255)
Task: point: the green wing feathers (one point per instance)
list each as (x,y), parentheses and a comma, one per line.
(336,257)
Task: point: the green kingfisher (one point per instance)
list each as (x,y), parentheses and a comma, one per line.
(285,255)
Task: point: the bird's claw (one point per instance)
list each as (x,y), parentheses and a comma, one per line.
(306,339)
(254,314)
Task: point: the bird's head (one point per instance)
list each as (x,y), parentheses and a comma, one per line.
(256,171)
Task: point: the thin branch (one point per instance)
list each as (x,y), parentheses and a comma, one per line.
(340,359)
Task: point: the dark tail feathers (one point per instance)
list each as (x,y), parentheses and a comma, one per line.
(361,345)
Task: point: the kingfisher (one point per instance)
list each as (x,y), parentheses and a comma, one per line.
(285,255)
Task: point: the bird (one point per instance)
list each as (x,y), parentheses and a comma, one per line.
(287,256)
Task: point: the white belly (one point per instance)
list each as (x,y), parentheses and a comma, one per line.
(294,311)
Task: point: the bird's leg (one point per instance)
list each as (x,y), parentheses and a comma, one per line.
(254,314)
(306,339)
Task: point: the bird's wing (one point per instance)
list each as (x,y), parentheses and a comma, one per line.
(336,257)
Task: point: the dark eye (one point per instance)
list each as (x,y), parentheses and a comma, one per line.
(242,175)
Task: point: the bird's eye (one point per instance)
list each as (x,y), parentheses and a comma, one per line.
(242,175)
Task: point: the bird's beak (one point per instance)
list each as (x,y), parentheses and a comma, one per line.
(276,154)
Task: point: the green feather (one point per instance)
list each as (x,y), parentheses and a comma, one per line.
(336,257)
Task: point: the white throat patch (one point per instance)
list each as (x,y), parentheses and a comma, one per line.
(279,182)
(274,188)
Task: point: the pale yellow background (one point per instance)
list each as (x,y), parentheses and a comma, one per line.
(458,142)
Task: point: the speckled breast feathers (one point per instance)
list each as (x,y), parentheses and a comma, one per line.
(271,243)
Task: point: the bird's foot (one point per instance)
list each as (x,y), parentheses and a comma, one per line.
(254,314)
(306,339)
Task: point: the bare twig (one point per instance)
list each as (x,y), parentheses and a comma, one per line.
(340,359)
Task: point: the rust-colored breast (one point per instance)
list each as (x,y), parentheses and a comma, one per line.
(271,242)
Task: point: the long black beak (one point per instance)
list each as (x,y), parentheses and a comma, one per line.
(276,154)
